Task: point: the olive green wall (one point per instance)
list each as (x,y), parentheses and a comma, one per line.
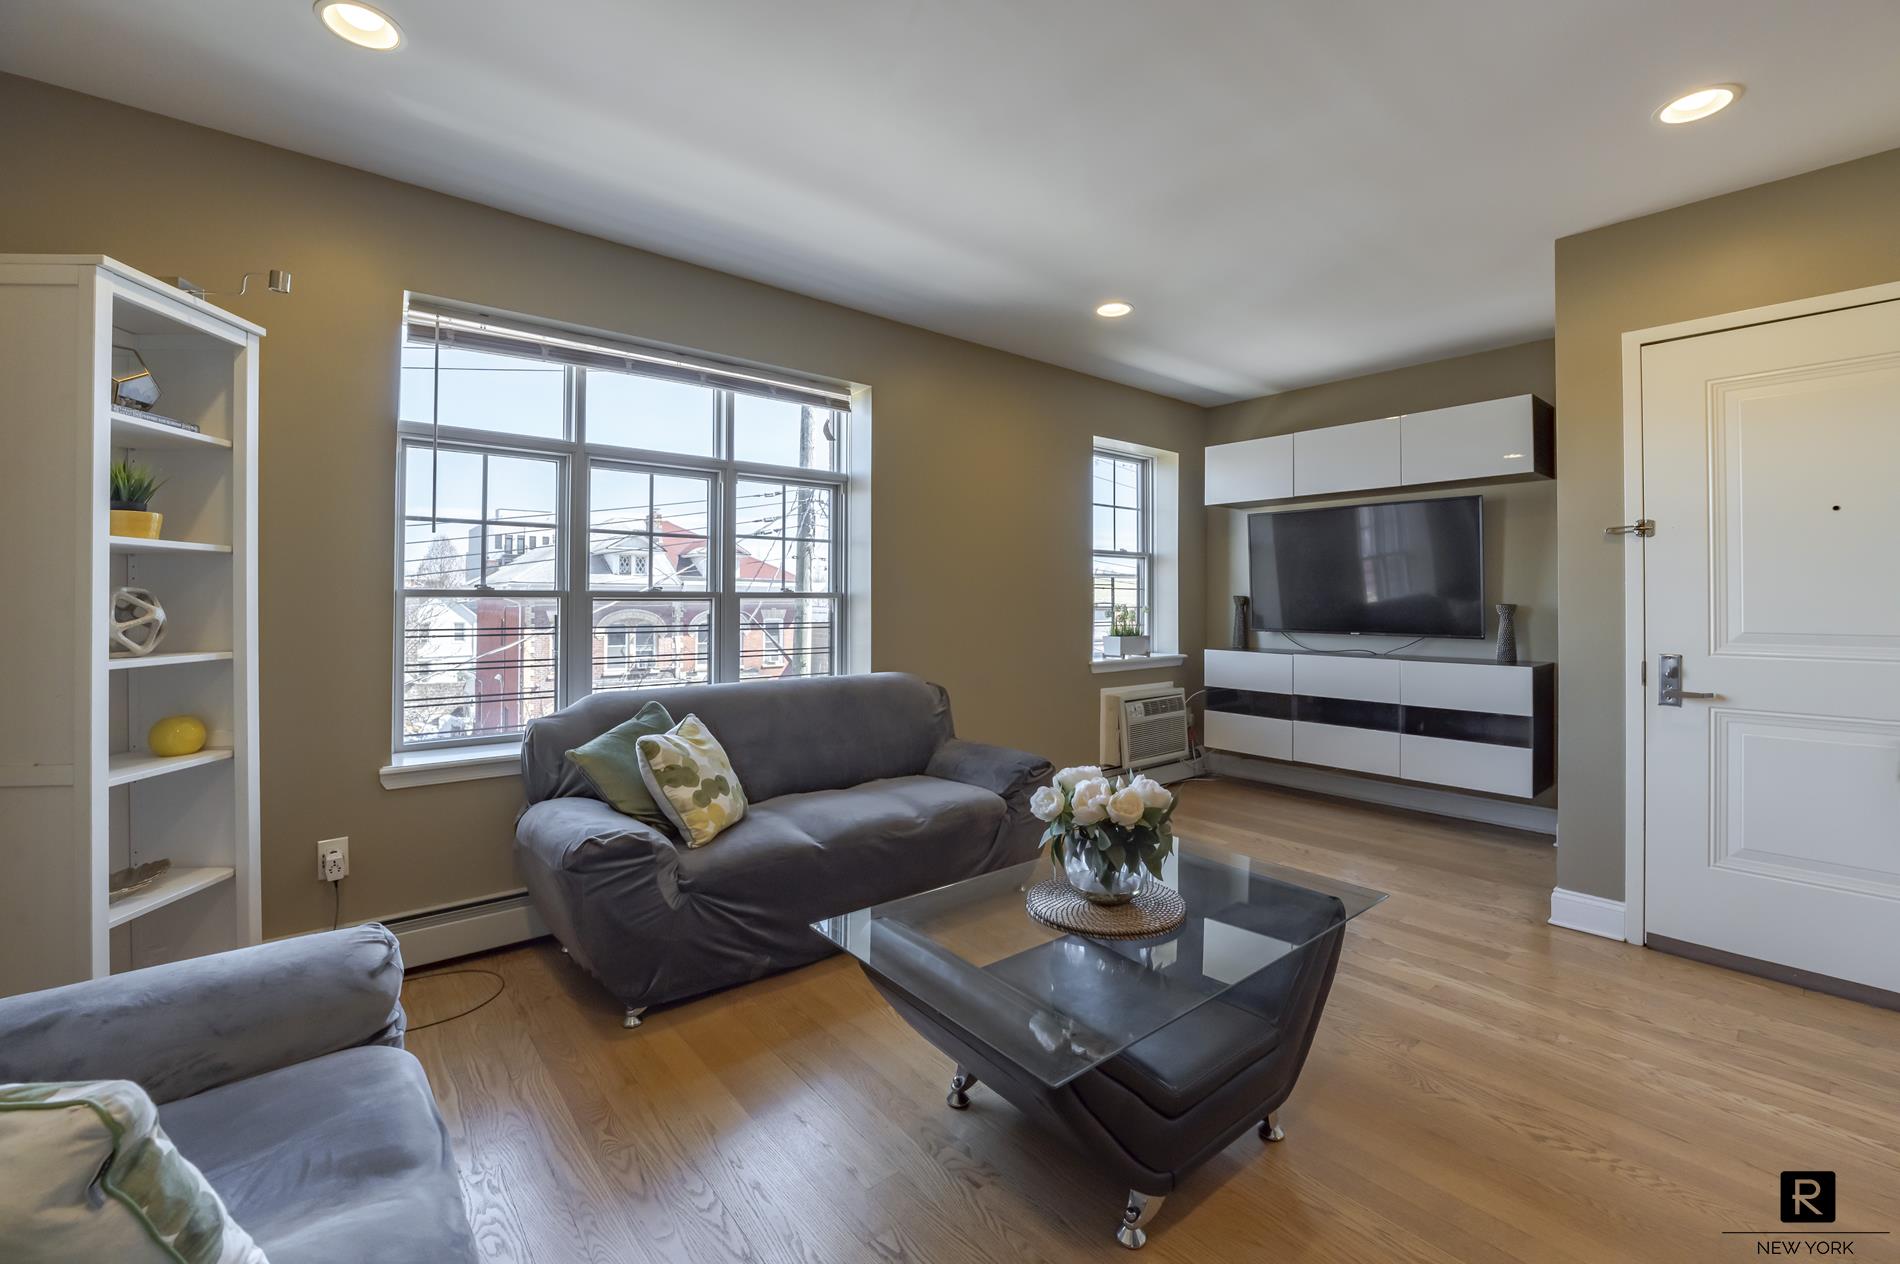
(979,494)
(1519,518)
(1829,230)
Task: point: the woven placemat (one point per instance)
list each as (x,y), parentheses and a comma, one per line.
(1156,911)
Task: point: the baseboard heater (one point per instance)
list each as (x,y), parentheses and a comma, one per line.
(456,930)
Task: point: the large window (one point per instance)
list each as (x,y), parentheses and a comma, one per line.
(1122,560)
(579,514)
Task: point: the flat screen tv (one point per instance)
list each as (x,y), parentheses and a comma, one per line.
(1402,568)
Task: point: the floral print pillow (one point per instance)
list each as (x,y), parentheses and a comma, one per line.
(689,776)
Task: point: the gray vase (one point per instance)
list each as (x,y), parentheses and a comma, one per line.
(1507,632)
(1240,636)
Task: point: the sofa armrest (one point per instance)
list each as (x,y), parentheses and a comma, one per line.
(1012,774)
(193,1025)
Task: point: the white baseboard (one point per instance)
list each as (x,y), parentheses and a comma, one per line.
(1591,914)
(458,931)
(1344,785)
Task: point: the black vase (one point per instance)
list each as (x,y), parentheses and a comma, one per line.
(1507,632)
(1240,637)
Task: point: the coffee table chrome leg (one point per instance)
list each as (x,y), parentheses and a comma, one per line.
(1140,1210)
(1270,1129)
(960,1085)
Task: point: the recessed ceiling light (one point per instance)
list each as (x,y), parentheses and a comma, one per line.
(360,25)
(1699,104)
(1114,308)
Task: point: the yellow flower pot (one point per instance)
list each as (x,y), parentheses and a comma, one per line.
(137,523)
(177,735)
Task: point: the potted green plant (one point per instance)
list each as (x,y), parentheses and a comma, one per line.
(133,486)
(1125,638)
(1109,837)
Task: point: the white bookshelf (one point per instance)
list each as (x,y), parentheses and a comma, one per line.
(80,793)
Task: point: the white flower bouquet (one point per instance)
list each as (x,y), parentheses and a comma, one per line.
(1114,827)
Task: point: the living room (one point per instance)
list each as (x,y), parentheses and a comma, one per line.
(836,634)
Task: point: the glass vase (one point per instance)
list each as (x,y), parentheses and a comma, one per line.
(1121,886)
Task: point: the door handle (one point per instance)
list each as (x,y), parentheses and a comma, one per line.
(1669,690)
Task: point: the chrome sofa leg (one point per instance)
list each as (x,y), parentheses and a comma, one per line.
(1140,1210)
(1270,1129)
(632,1019)
(960,1085)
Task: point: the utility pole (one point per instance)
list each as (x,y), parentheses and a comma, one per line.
(807,514)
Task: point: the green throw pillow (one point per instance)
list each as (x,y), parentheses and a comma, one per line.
(612,765)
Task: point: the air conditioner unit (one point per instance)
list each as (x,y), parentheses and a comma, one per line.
(1144,725)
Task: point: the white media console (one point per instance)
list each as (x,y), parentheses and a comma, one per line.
(1471,724)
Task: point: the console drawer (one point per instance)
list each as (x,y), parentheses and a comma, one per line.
(1467,765)
(1359,750)
(1250,734)
(1248,669)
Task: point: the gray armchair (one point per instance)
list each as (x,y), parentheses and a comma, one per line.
(859,792)
(279,1071)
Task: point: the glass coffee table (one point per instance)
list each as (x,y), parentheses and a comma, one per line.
(1151,1055)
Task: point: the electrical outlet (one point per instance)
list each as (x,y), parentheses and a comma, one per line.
(333,859)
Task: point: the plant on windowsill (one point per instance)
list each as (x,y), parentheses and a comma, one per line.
(1109,837)
(1125,638)
(132,487)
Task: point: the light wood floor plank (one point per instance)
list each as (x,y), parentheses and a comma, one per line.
(1485,1088)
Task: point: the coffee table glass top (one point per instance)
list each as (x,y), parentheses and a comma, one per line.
(1057,1004)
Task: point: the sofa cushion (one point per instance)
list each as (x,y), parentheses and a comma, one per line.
(831,851)
(340,1158)
(783,736)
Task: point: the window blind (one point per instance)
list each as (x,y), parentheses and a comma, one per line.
(426,324)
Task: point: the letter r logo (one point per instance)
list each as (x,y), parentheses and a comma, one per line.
(1807,1198)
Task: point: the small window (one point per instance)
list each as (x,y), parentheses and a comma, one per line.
(1122,558)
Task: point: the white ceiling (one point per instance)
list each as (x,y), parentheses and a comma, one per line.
(1288,192)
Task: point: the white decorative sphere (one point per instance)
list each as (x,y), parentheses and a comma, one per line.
(138,622)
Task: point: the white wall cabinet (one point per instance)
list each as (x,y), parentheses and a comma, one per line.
(1346,458)
(1513,437)
(1493,439)
(1249,470)
(80,792)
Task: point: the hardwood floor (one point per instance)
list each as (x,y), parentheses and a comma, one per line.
(1484,1087)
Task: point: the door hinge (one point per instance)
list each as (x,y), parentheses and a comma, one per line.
(1644,527)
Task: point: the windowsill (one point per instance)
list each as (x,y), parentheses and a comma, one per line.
(458,763)
(1144,662)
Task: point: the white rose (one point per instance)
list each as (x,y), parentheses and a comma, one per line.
(1069,778)
(1089,803)
(1125,806)
(1047,803)
(1153,793)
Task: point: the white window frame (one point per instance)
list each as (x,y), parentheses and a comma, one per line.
(575,455)
(1143,555)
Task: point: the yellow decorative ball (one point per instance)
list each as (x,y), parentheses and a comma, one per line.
(177,735)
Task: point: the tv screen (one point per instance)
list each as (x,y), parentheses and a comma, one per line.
(1403,568)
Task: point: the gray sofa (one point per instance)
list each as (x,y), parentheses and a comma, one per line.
(859,792)
(279,1071)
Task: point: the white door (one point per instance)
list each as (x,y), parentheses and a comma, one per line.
(1771,467)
